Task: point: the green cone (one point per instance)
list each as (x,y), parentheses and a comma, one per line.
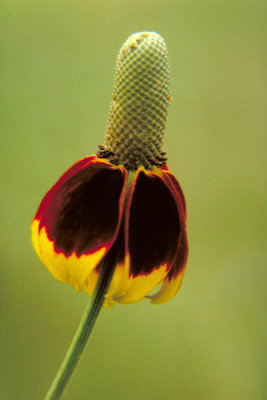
(139,107)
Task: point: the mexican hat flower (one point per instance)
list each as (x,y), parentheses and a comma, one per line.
(121,209)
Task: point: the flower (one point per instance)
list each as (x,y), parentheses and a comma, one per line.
(124,197)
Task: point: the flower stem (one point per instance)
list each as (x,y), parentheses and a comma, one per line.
(85,328)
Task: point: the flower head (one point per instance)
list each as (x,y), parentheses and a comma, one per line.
(123,198)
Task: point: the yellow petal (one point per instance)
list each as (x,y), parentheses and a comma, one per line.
(90,282)
(168,289)
(72,269)
(120,281)
(141,285)
(118,286)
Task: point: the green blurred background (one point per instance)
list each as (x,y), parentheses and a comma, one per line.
(57,61)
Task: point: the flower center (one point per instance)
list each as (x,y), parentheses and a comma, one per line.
(139,107)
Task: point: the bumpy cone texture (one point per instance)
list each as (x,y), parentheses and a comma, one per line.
(139,106)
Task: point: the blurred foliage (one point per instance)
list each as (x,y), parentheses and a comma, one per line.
(57,63)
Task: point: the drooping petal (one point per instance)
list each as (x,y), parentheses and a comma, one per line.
(78,219)
(152,232)
(176,190)
(139,286)
(153,224)
(120,278)
(174,278)
(119,284)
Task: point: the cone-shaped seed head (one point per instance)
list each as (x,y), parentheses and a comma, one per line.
(139,106)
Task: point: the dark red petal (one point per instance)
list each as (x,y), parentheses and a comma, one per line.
(173,280)
(181,258)
(174,187)
(182,251)
(79,165)
(83,209)
(153,225)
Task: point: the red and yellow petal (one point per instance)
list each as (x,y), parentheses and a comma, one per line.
(168,289)
(120,279)
(119,284)
(71,269)
(152,234)
(78,219)
(173,280)
(139,286)
(153,223)
(176,190)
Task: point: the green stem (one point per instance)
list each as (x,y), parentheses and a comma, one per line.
(85,327)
